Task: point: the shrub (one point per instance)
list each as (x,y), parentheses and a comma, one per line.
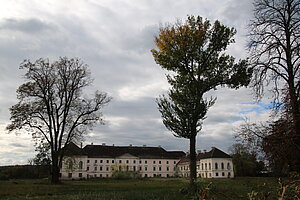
(125,175)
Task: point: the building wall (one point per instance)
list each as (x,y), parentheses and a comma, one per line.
(104,167)
(209,168)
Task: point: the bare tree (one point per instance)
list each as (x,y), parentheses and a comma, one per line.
(52,108)
(275,52)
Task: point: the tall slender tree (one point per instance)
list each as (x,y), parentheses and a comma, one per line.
(194,51)
(52,108)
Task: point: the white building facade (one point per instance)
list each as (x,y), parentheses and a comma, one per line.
(212,164)
(100,161)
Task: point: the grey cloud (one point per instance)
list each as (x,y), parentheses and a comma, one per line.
(29,26)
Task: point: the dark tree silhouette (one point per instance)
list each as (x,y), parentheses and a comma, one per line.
(52,108)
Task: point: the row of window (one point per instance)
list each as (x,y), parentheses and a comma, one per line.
(127,161)
(204,166)
(127,168)
(70,175)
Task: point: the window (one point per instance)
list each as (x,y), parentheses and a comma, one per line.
(95,168)
(145,175)
(140,168)
(100,168)
(145,168)
(223,174)
(101,161)
(228,166)
(134,168)
(222,165)
(205,166)
(209,174)
(133,161)
(167,168)
(96,161)
(229,175)
(87,168)
(140,162)
(145,161)
(127,168)
(154,168)
(113,161)
(107,161)
(120,168)
(69,175)
(80,175)
(209,166)
(202,166)
(167,162)
(174,162)
(159,162)
(107,168)
(95,175)
(159,168)
(80,164)
(88,161)
(153,161)
(127,161)
(217,174)
(216,165)
(168,176)
(120,161)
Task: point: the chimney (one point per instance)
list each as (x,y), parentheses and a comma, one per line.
(91,143)
(81,145)
(144,145)
(159,146)
(204,150)
(130,145)
(103,144)
(198,151)
(113,145)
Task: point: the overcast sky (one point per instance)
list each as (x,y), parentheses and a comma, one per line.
(114,37)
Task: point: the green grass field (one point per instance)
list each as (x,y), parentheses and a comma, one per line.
(168,188)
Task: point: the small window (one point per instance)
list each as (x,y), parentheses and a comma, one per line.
(229,175)
(202,166)
(127,168)
(216,165)
(134,161)
(88,161)
(167,162)
(223,174)
(145,175)
(222,165)
(100,168)
(159,162)
(120,161)
(107,168)
(69,175)
(95,168)
(174,162)
(107,161)
(205,166)
(153,161)
(145,168)
(127,161)
(101,161)
(167,168)
(217,174)
(80,164)
(228,166)
(145,161)
(154,168)
(87,168)
(112,161)
(140,168)
(134,168)
(80,175)
(96,161)
(159,168)
(140,162)
(95,175)
(209,166)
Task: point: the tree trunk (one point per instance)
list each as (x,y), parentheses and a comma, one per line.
(193,163)
(55,169)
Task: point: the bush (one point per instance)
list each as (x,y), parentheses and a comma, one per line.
(3,177)
(125,175)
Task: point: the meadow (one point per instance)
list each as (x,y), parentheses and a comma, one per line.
(136,189)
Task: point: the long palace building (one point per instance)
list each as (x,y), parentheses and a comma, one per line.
(100,161)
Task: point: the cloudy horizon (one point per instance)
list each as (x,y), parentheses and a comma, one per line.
(114,39)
